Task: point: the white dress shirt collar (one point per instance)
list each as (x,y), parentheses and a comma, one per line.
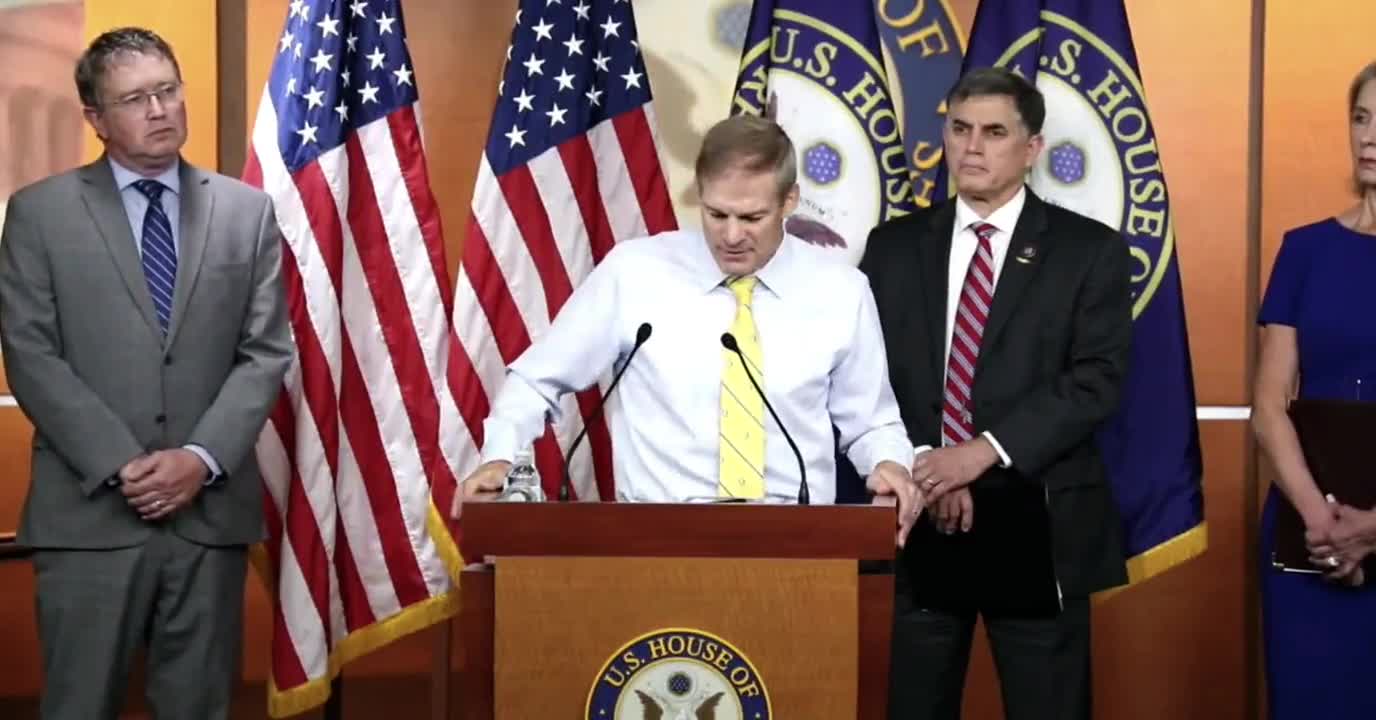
(780,275)
(1004,218)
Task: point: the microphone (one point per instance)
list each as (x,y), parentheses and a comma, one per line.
(728,341)
(566,485)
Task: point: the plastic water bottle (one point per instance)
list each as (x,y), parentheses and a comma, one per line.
(523,480)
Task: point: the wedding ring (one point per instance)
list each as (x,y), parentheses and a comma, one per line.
(157,505)
(1332,561)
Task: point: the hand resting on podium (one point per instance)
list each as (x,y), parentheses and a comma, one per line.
(484,484)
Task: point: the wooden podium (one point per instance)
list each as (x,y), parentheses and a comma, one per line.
(793,603)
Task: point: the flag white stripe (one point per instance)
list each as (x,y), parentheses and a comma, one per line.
(571,237)
(509,251)
(379,378)
(565,217)
(399,216)
(294,223)
(307,635)
(365,542)
(619,198)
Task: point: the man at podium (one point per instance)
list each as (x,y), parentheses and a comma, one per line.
(717,331)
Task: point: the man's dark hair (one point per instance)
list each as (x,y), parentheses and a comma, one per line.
(984,82)
(95,61)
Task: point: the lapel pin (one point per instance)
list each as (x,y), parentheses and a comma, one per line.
(1026,254)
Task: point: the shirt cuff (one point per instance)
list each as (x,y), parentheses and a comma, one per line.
(919,450)
(216,474)
(879,445)
(1005,462)
(499,441)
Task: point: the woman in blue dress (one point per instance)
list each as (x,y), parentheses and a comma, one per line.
(1319,338)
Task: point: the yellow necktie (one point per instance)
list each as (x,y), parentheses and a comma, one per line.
(742,409)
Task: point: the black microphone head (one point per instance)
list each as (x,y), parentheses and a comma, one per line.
(728,341)
(642,333)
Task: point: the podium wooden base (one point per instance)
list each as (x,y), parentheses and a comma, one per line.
(676,603)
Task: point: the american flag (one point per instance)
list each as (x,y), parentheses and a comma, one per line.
(357,552)
(571,167)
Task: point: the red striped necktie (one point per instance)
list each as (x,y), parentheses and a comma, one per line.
(972,313)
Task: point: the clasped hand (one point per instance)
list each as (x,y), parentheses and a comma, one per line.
(1340,539)
(162,482)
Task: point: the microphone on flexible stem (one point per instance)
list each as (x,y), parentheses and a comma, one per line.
(728,341)
(566,485)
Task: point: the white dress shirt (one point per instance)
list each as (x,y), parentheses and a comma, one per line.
(964,243)
(823,356)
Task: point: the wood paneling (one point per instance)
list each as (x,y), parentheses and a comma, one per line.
(679,530)
(807,668)
(20,663)
(16,435)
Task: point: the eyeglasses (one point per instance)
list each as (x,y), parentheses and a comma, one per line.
(167,94)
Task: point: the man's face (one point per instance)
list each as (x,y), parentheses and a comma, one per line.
(743,218)
(989,149)
(141,118)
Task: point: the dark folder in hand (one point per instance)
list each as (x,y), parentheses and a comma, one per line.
(1336,437)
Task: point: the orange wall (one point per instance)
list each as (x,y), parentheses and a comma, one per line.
(1313,50)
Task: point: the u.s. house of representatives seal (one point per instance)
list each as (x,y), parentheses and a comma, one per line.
(830,93)
(1101,157)
(678,674)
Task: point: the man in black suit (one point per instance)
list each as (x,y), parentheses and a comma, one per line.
(1008,323)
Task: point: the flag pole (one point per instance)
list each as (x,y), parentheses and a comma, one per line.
(334,706)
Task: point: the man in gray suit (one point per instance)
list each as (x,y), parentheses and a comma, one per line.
(144,332)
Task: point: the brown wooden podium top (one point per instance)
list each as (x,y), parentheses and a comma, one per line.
(861,532)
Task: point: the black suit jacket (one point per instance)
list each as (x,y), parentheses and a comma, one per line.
(1054,352)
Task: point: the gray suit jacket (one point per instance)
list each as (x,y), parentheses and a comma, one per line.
(88,365)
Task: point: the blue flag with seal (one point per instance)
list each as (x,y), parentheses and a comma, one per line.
(816,67)
(822,70)
(1101,160)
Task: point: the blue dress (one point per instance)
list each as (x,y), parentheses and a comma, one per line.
(1320,639)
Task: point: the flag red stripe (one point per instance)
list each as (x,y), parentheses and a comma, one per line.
(253,171)
(318,202)
(600,441)
(581,167)
(287,671)
(406,140)
(317,386)
(467,389)
(528,210)
(358,612)
(549,460)
(286,666)
(309,548)
(393,310)
(301,529)
(495,297)
(365,438)
(354,404)
(642,162)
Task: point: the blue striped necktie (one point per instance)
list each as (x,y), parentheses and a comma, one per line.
(159,252)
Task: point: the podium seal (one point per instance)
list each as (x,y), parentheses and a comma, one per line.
(678,673)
